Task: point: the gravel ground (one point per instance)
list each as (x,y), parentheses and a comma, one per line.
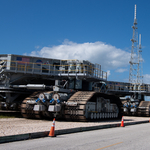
(14,126)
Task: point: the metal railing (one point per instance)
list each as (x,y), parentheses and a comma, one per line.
(127,87)
(56,69)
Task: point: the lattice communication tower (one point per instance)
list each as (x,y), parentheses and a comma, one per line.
(135,73)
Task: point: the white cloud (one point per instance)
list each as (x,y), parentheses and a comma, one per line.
(146,79)
(104,54)
(121,70)
(108,73)
(37,47)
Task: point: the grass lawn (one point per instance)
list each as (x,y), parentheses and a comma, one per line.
(10,115)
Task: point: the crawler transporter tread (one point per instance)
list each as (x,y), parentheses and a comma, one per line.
(82,98)
(27,110)
(144,108)
(77,113)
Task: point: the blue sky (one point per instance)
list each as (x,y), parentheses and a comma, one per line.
(95,30)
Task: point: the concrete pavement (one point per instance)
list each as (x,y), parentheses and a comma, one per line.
(128,120)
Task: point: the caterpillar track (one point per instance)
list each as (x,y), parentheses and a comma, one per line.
(79,112)
(144,108)
(82,97)
(27,109)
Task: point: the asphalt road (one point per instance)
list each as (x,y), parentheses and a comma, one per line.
(121,138)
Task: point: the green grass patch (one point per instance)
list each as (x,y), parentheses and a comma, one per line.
(10,115)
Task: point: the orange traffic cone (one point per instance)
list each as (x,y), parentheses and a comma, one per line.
(122,122)
(52,131)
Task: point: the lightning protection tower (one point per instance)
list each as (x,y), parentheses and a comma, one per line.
(135,76)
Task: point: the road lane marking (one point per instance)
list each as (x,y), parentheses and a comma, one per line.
(109,145)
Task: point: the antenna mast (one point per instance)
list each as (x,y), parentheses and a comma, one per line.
(140,60)
(135,75)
